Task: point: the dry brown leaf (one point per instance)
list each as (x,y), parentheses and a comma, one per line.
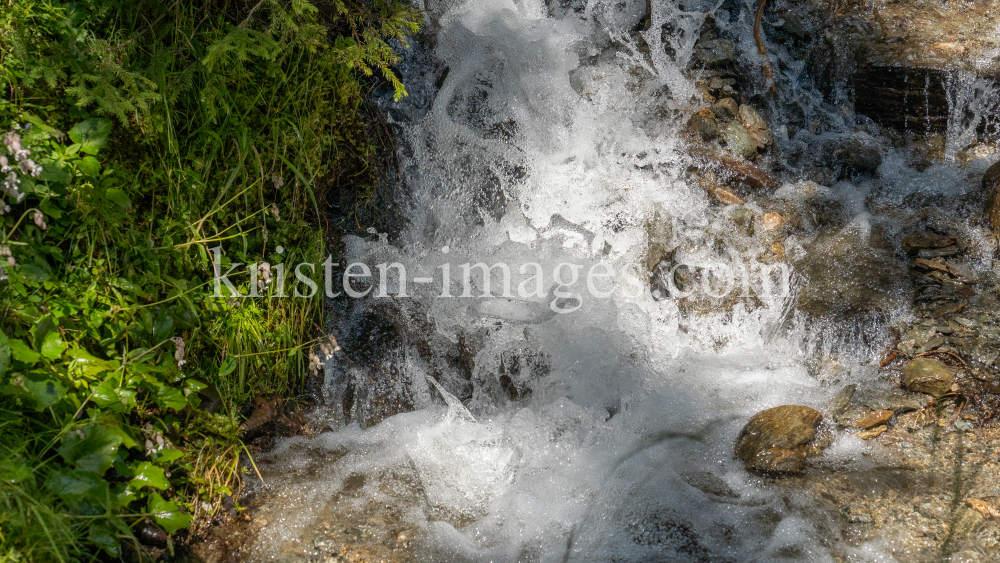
(983,508)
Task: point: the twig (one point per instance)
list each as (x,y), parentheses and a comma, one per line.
(760,44)
(954,418)
(945,352)
(888,355)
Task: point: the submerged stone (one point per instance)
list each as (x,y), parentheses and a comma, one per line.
(874,419)
(849,274)
(778,440)
(991,187)
(739,140)
(726,108)
(715,52)
(704,125)
(927,375)
(755,125)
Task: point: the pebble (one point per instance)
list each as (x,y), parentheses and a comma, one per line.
(772,221)
(874,419)
(872,432)
(755,125)
(704,125)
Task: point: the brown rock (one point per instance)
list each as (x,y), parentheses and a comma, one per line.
(869,434)
(926,375)
(726,108)
(920,241)
(777,440)
(718,193)
(991,186)
(874,419)
(772,221)
(743,174)
(704,125)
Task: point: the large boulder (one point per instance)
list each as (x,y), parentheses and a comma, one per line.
(852,274)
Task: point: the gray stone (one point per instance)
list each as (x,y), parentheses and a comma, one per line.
(755,125)
(715,53)
(739,140)
(991,188)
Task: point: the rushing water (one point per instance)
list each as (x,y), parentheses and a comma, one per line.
(556,423)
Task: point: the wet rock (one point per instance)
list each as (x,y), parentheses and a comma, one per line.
(778,440)
(849,276)
(744,175)
(739,140)
(755,125)
(927,375)
(913,244)
(853,157)
(874,419)
(772,221)
(840,403)
(715,53)
(991,187)
(708,483)
(704,125)
(894,400)
(743,219)
(872,432)
(726,108)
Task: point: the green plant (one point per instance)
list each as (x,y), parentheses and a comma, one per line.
(158,132)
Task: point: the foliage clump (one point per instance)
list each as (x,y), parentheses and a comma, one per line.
(148,134)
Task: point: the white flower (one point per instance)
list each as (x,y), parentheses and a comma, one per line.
(264,271)
(314,363)
(179,352)
(40,220)
(5,251)
(4,165)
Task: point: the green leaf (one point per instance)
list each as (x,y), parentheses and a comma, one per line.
(149,475)
(14,470)
(227,367)
(93,448)
(170,398)
(163,328)
(41,329)
(36,272)
(43,391)
(167,514)
(85,365)
(20,351)
(104,535)
(193,386)
(75,484)
(118,197)
(91,134)
(4,354)
(90,166)
(166,455)
(53,346)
